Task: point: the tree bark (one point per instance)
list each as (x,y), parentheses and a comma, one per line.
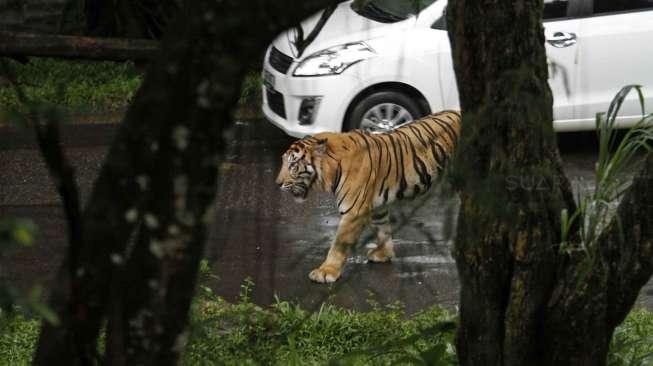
(594,295)
(109,49)
(145,222)
(523,302)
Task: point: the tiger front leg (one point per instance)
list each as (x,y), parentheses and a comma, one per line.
(384,250)
(349,231)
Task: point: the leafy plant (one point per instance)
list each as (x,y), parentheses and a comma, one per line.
(251,89)
(242,333)
(14,235)
(285,334)
(617,155)
(632,342)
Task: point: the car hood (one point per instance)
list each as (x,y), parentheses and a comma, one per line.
(343,26)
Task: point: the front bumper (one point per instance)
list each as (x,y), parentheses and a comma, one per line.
(335,91)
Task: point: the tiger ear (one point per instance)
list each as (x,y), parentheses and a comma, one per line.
(320,147)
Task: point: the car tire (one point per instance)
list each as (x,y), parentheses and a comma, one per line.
(378,100)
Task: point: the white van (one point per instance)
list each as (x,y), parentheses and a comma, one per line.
(378,65)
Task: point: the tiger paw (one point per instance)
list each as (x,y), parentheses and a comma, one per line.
(324,274)
(380,254)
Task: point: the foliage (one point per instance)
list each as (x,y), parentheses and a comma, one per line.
(75,85)
(90,86)
(284,334)
(15,234)
(632,342)
(18,336)
(616,156)
(251,89)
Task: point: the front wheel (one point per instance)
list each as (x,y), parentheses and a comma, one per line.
(382,111)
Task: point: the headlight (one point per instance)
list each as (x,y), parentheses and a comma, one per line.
(334,60)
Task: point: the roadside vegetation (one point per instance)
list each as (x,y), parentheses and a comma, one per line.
(285,334)
(78,86)
(91,86)
(244,333)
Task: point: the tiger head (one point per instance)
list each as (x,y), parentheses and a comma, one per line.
(298,172)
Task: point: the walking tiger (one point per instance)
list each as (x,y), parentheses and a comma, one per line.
(366,172)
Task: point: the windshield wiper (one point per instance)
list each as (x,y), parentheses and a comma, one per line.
(375,13)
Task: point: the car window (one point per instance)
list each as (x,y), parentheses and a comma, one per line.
(555,9)
(389,11)
(611,6)
(441,23)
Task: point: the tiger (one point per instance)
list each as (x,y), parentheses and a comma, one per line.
(366,172)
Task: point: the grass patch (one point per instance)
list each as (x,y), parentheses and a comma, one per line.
(285,334)
(90,86)
(78,86)
(18,336)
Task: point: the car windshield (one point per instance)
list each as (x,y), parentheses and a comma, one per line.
(389,11)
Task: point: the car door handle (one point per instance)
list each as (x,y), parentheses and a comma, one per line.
(562,39)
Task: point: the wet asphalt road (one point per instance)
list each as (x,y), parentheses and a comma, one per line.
(259,232)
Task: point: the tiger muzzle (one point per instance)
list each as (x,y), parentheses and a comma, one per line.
(299,190)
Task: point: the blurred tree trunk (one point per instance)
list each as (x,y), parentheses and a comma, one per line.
(144,225)
(131,18)
(72,20)
(523,302)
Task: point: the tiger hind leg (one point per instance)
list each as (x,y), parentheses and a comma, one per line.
(384,250)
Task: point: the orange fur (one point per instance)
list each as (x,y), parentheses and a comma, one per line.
(366,172)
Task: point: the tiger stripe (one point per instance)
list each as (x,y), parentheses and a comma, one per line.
(366,172)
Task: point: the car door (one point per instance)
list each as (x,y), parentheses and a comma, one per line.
(615,50)
(560,21)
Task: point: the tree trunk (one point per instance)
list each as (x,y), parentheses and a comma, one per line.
(131,18)
(594,294)
(145,222)
(520,303)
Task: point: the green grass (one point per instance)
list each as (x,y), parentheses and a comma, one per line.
(78,86)
(90,86)
(285,334)
(18,337)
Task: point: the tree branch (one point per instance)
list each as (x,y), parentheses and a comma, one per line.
(160,175)
(17,44)
(45,125)
(627,245)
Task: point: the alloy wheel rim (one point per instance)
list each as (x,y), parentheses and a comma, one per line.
(385,117)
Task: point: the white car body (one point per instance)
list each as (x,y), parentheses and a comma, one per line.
(606,52)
